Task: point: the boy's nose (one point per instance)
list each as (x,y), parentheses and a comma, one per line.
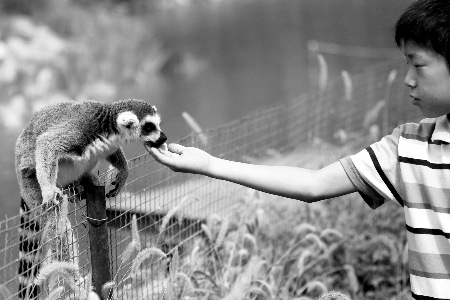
(409,80)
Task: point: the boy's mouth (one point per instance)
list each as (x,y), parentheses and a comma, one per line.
(415,101)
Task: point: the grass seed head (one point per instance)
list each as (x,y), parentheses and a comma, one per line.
(56,268)
(187,281)
(222,232)
(208,232)
(135,233)
(302,260)
(54,294)
(348,84)
(174,264)
(330,234)
(391,77)
(129,250)
(142,256)
(323,72)
(173,211)
(108,290)
(316,239)
(317,285)
(334,295)
(353,280)
(250,243)
(305,227)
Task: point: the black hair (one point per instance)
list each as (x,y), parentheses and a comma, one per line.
(426,23)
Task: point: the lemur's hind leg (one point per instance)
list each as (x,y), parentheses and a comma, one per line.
(30,189)
(45,236)
(32,222)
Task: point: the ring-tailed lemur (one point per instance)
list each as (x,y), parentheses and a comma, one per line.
(62,144)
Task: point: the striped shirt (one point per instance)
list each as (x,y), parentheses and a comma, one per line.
(415,161)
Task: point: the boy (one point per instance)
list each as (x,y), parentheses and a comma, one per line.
(411,166)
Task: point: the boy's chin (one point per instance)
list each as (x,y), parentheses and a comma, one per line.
(428,114)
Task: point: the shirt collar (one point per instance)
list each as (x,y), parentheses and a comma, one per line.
(442,130)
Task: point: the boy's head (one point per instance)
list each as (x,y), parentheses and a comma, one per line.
(423,33)
(427,24)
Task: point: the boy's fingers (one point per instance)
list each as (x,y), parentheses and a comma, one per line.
(176,148)
(155,153)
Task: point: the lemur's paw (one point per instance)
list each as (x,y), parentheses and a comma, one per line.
(51,196)
(118,183)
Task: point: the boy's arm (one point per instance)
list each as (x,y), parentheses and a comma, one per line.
(297,183)
(292,182)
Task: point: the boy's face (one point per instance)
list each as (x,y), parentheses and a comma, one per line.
(429,80)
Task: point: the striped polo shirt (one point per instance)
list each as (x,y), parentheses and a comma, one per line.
(415,161)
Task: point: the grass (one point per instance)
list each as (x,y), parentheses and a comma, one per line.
(253,254)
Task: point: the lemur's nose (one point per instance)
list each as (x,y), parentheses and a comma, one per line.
(161,140)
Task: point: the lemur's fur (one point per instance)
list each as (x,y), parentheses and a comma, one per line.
(62,144)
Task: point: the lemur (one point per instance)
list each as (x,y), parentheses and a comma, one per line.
(62,144)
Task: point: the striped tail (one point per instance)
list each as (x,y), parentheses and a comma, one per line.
(29,252)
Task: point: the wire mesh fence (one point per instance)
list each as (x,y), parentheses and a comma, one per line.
(35,238)
(172,212)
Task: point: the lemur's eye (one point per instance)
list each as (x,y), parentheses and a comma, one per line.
(148,127)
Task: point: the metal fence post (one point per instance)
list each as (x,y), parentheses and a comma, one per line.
(98,236)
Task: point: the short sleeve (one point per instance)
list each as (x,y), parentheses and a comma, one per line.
(375,170)
(369,195)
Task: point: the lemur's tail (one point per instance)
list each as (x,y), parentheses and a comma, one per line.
(29,252)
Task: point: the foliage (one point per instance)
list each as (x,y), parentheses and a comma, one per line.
(71,52)
(254,254)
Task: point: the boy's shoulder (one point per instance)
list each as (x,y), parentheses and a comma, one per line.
(429,129)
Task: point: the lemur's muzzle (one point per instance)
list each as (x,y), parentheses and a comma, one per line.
(161,140)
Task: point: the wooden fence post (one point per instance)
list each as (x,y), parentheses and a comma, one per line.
(98,236)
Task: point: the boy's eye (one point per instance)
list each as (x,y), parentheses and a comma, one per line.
(416,65)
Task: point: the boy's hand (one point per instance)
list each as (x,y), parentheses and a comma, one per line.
(182,159)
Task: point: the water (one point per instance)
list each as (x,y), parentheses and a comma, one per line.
(240,56)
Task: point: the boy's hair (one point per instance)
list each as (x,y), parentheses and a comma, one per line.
(426,23)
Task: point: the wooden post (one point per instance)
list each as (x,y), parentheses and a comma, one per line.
(98,236)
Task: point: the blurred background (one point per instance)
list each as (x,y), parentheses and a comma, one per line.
(215,59)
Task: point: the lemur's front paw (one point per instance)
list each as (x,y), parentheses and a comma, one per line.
(51,196)
(121,178)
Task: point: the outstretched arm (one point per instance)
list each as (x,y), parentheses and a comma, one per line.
(292,182)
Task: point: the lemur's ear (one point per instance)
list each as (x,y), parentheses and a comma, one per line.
(127,119)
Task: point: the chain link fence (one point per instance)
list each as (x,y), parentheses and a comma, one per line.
(170,209)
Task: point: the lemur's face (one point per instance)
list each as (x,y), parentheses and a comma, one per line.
(146,129)
(150,131)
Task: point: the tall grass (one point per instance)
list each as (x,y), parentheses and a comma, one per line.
(252,255)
